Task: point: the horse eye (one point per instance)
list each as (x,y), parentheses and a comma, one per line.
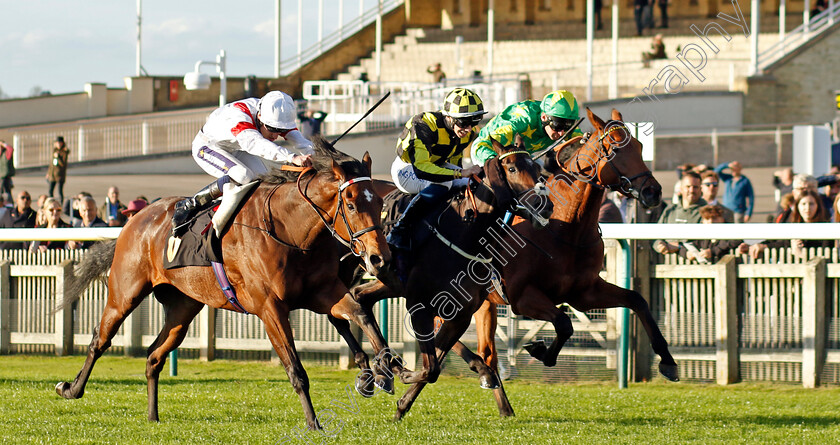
(351,207)
(512,169)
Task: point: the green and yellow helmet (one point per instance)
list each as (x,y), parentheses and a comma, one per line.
(462,102)
(560,103)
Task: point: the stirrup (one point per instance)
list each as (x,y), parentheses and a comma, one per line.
(183,216)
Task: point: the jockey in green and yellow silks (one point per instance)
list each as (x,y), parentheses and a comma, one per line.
(538,123)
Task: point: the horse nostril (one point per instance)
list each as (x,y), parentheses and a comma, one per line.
(375,261)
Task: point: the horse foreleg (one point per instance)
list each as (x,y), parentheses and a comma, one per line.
(535,304)
(364,382)
(486,321)
(608,296)
(112,318)
(279,330)
(176,324)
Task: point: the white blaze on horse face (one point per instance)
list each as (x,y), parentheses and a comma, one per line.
(368,196)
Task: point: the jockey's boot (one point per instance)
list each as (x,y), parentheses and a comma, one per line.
(400,236)
(185,209)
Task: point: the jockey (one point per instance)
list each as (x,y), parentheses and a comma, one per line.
(429,152)
(230,146)
(537,123)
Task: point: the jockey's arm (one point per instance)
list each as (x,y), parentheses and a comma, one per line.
(251,141)
(503,134)
(300,142)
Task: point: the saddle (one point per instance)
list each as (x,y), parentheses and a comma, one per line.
(394,205)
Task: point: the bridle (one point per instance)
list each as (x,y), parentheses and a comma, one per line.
(354,243)
(623,184)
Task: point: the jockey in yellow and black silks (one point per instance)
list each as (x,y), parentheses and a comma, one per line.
(429,153)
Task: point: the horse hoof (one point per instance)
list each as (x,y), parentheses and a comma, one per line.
(670,372)
(488,382)
(384,383)
(537,349)
(365,384)
(63,389)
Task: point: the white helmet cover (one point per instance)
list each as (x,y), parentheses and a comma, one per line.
(277,109)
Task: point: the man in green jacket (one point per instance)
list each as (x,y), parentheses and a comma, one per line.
(687,211)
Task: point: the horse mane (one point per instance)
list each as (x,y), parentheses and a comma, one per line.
(322,159)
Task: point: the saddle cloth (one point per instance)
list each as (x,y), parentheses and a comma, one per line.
(394,205)
(193,248)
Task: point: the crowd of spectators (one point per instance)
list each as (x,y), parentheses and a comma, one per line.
(79,211)
(725,195)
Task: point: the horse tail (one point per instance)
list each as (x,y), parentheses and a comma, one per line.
(95,264)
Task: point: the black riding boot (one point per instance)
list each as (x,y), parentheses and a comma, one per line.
(187,208)
(400,236)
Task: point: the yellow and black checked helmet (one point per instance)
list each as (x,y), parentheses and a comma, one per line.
(462,102)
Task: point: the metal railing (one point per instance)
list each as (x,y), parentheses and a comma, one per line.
(330,40)
(799,36)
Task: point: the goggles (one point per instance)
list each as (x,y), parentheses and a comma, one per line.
(560,124)
(467,122)
(275,130)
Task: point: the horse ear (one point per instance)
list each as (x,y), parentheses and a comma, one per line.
(616,116)
(338,171)
(497,146)
(368,162)
(595,120)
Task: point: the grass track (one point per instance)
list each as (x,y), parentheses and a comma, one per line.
(252,402)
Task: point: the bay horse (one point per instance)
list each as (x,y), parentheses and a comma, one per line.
(281,255)
(449,278)
(537,284)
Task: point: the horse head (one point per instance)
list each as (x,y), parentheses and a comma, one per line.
(358,214)
(612,158)
(514,178)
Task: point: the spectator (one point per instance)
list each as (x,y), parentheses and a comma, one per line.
(609,212)
(710,250)
(819,7)
(738,195)
(657,51)
(71,206)
(88,218)
(438,76)
(57,172)
(19,216)
(808,208)
(832,189)
(783,182)
(663,13)
(52,220)
(687,211)
(7,170)
(310,122)
(639,11)
(134,207)
(709,186)
(3,207)
(111,210)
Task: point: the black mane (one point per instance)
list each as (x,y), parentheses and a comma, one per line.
(322,161)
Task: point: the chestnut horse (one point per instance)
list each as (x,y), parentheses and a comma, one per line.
(536,284)
(449,278)
(280,254)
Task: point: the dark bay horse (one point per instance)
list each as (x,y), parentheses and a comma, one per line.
(537,285)
(281,254)
(452,272)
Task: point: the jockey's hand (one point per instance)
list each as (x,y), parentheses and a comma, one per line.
(474,170)
(302,160)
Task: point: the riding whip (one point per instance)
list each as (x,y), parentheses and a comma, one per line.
(362,118)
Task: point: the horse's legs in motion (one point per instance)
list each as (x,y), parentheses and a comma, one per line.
(448,334)
(180,311)
(276,320)
(486,367)
(534,303)
(364,384)
(365,296)
(606,295)
(122,299)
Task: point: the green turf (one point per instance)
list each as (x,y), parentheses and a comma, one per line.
(252,402)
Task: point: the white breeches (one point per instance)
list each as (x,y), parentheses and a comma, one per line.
(407,181)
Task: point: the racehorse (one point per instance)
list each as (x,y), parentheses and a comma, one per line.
(449,278)
(537,284)
(281,253)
